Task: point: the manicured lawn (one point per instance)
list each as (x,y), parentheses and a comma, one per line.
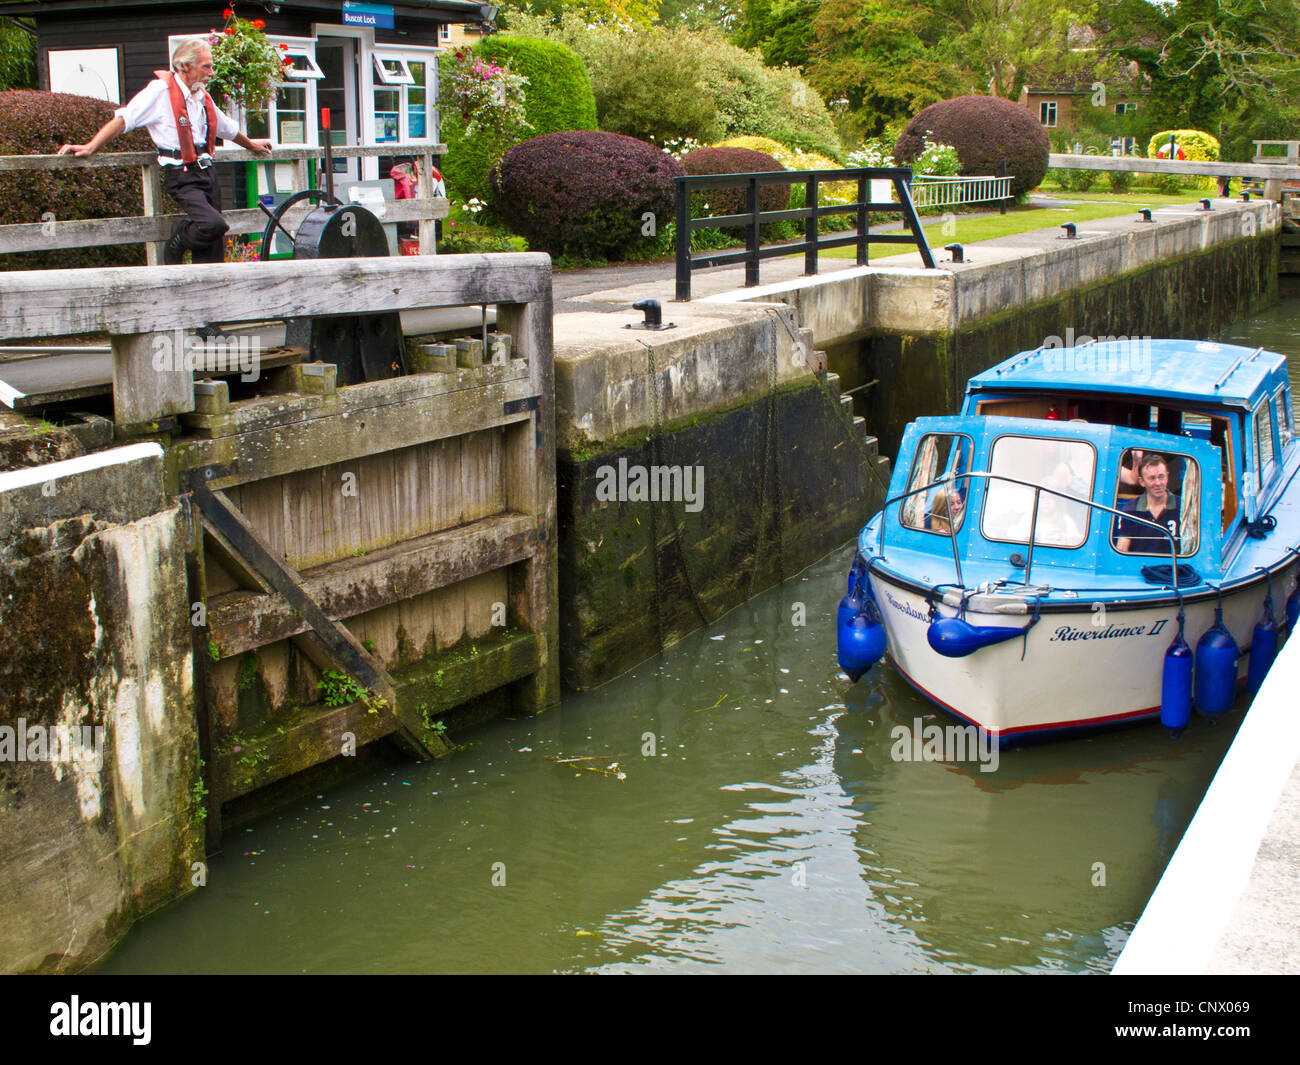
(968,230)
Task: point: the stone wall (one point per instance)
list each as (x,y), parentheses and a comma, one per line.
(99,819)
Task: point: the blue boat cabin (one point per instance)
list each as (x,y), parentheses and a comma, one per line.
(1177,443)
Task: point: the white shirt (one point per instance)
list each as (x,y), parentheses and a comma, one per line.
(151,108)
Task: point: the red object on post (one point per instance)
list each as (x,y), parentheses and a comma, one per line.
(324,118)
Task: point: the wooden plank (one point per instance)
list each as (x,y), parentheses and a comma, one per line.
(482,596)
(284,409)
(448,616)
(1140,165)
(125,299)
(477,448)
(412,468)
(154,228)
(146,387)
(305,518)
(416,620)
(345,484)
(262,503)
(272,452)
(224,155)
(380,520)
(245,620)
(223,698)
(534,590)
(309,738)
(275,675)
(381,629)
(151,192)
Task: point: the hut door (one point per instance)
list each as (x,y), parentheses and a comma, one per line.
(336,56)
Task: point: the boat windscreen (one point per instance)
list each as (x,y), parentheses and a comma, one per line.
(1065,466)
(942,508)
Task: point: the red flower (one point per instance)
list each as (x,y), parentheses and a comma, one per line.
(284,47)
(259,24)
(228,31)
(227,13)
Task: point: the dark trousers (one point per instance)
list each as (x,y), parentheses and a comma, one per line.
(199,195)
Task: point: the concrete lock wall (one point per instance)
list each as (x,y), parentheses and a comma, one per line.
(696,467)
(99,822)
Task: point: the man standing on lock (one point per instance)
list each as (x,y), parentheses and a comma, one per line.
(184,123)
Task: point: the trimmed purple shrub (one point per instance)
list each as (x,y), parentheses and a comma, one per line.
(583,192)
(985,130)
(36,123)
(736,161)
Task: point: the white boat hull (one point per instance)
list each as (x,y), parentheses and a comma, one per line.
(1081,669)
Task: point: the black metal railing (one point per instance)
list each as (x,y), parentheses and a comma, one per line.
(753,253)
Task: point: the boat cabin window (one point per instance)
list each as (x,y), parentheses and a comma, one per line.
(1064,467)
(1178,508)
(940,509)
(1218,432)
(1285,430)
(1263,445)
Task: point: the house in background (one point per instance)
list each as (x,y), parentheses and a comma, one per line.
(373,65)
(1064,103)
(1058,107)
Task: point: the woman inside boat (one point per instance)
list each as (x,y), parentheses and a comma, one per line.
(946,511)
(1156,504)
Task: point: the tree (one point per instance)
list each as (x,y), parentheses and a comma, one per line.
(17,55)
(698,14)
(1006,42)
(1231,68)
(634,12)
(783,30)
(890,58)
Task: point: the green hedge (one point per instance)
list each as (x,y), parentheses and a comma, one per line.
(558,98)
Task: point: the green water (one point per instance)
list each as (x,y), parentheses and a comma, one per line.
(760,824)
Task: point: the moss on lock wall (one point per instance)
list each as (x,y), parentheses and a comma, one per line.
(783,483)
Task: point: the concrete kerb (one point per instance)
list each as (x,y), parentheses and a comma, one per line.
(1222,904)
(119,486)
(716,357)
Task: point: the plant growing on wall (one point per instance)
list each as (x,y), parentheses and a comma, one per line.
(246,67)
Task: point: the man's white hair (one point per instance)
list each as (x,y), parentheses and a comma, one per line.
(187,52)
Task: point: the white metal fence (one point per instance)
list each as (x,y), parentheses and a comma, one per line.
(928,191)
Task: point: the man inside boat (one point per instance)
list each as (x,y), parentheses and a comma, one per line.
(1156,504)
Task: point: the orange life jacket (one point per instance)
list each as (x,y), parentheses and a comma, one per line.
(183,132)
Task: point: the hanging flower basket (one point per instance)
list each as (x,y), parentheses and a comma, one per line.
(246,67)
